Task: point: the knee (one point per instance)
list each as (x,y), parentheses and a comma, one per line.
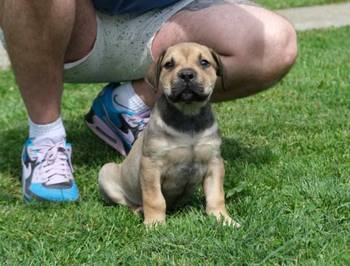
(286,45)
(280,51)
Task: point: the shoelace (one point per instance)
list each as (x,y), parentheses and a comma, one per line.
(54,163)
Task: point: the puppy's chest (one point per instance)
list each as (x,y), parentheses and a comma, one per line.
(185,161)
(180,176)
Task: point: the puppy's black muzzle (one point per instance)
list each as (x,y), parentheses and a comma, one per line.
(187,74)
(186,88)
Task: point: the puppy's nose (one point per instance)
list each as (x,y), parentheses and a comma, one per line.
(187,74)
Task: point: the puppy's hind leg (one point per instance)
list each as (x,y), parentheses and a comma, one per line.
(109,183)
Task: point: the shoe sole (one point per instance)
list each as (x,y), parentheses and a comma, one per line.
(101,129)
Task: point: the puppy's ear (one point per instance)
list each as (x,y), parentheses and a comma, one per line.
(153,73)
(220,70)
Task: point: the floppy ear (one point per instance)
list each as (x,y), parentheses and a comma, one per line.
(153,73)
(220,71)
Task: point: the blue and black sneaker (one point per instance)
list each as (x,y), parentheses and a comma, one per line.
(113,122)
(47,172)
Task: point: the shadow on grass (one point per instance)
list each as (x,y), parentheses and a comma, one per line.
(241,163)
(10,152)
(7,197)
(89,150)
(92,153)
(234,151)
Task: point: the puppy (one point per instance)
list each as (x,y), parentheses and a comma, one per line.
(180,147)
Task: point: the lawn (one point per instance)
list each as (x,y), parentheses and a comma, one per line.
(287,161)
(277,4)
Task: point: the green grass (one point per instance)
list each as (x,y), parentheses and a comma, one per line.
(287,163)
(277,4)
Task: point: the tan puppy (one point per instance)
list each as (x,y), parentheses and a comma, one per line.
(180,147)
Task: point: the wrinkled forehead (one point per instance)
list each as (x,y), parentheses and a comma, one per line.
(187,53)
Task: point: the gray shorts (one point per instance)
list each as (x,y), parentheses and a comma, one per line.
(122,49)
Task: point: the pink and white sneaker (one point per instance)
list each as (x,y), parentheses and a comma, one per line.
(47,172)
(113,122)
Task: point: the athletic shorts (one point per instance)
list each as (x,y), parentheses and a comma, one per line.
(122,49)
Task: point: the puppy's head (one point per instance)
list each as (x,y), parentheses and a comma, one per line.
(186,73)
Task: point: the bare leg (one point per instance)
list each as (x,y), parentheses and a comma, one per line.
(257,46)
(37,35)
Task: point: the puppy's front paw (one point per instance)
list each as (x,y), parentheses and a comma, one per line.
(228,221)
(153,222)
(225,219)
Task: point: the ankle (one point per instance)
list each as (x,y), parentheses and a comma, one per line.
(145,92)
(53,130)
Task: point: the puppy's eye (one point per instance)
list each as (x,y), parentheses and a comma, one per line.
(169,64)
(204,63)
